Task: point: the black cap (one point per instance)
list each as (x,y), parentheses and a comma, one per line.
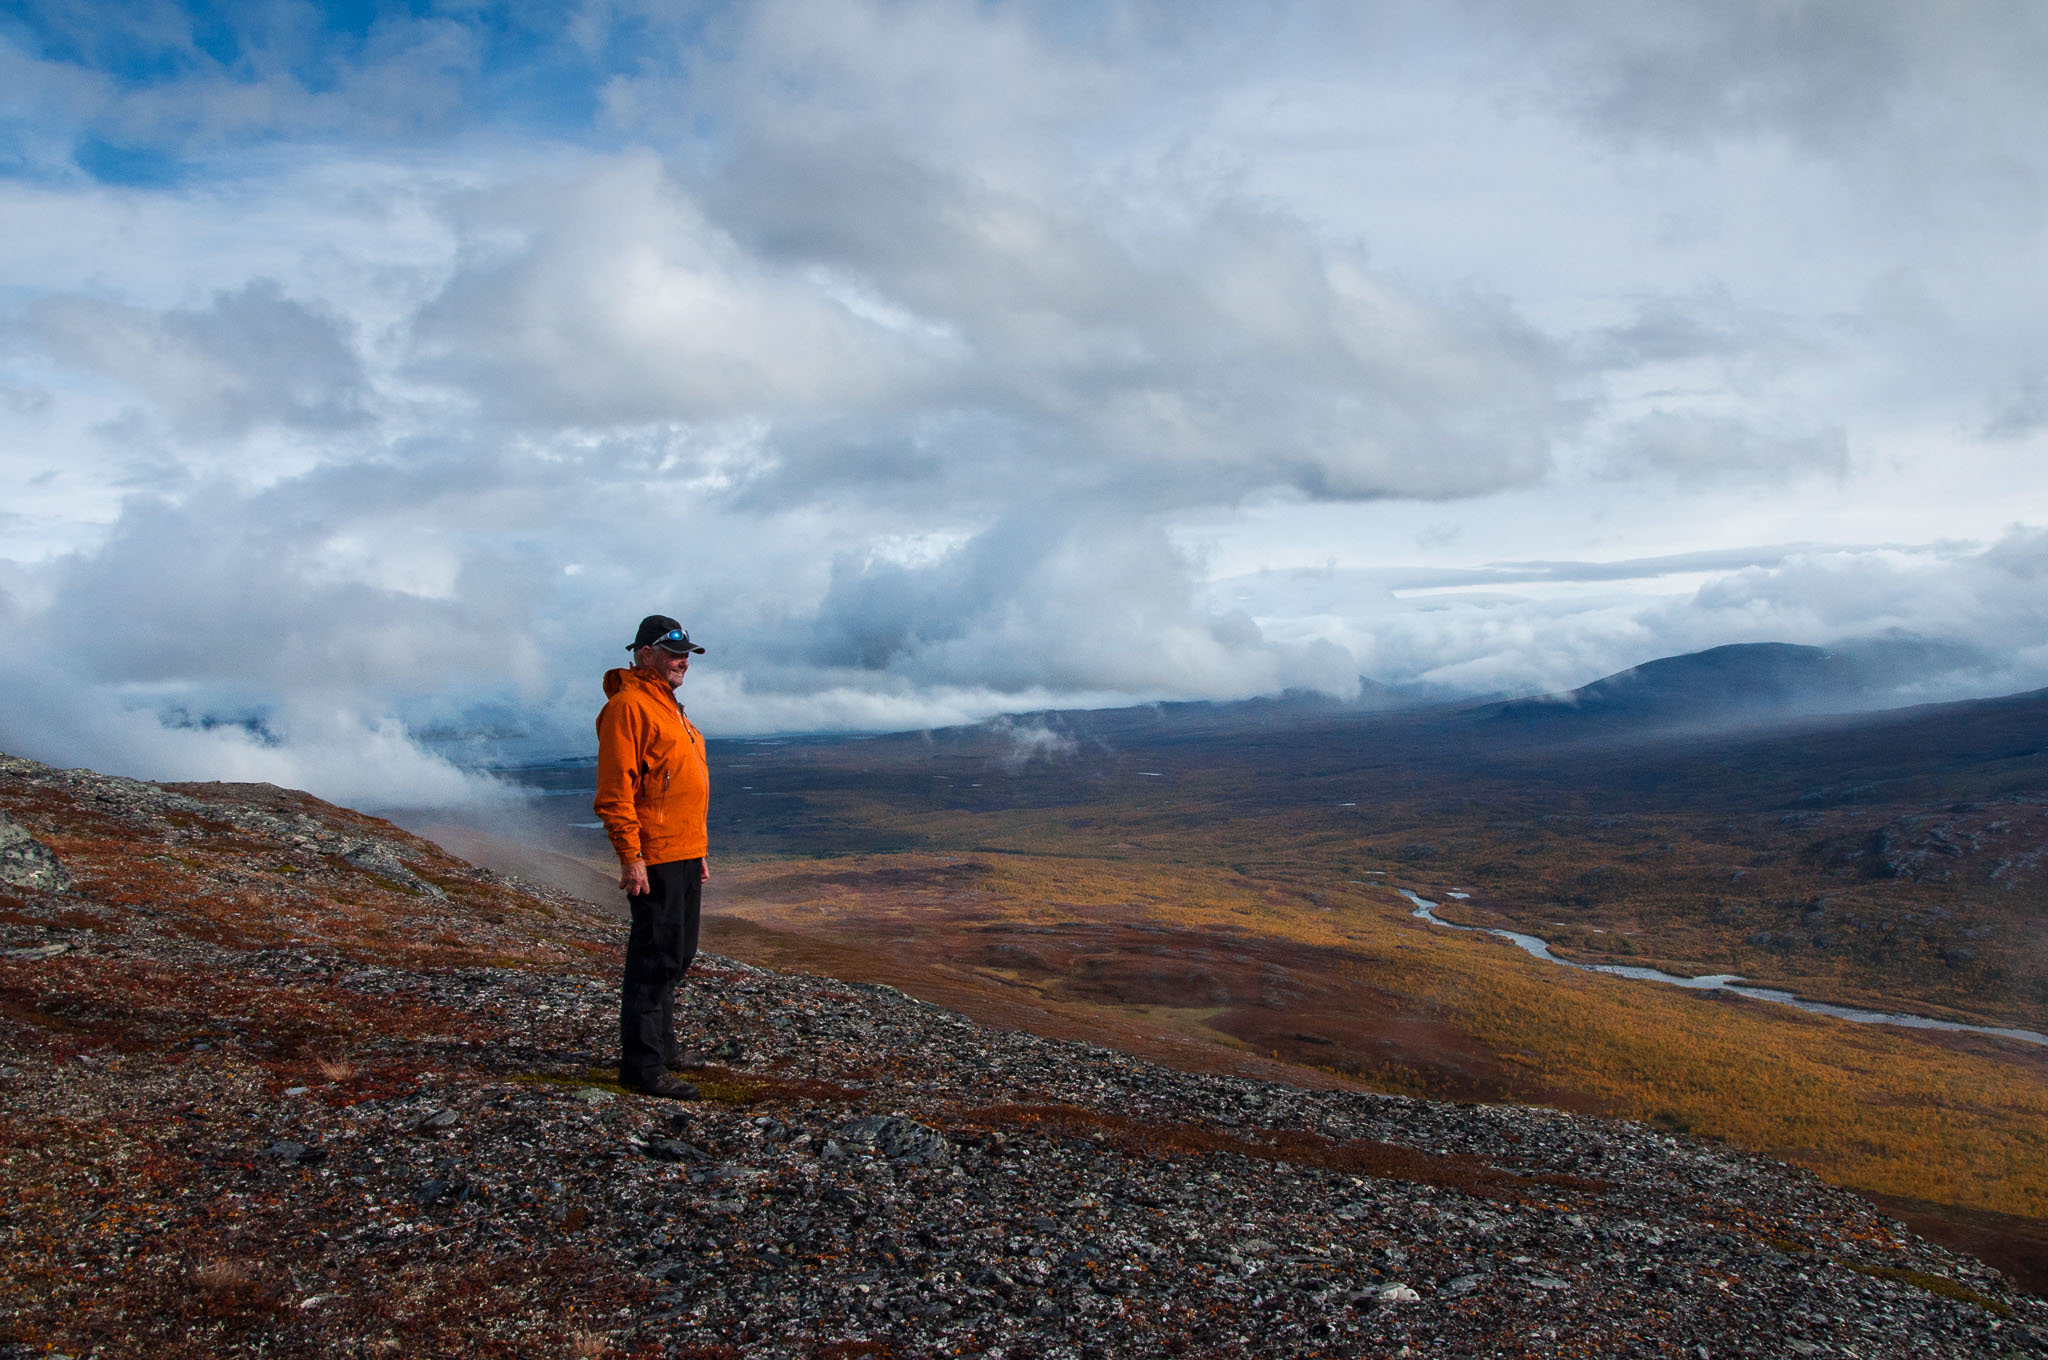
(659,630)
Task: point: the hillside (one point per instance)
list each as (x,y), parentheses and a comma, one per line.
(284,1080)
(1747,683)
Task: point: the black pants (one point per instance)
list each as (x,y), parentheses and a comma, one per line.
(658,953)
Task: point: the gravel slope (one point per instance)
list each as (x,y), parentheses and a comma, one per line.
(282,1080)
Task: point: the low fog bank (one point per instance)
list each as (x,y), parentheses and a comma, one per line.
(412,703)
(1976,611)
(346,756)
(538,839)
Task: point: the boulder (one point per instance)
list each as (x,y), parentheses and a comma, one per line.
(26,862)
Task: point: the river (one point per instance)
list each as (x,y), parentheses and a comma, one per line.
(1536,947)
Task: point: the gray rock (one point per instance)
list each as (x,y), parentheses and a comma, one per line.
(290,1152)
(26,862)
(33,952)
(896,1138)
(379,860)
(671,1150)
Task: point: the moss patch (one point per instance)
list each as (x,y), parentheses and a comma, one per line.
(1933,1284)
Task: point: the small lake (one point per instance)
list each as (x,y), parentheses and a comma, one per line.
(1538,948)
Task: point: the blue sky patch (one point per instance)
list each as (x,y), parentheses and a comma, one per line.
(138,167)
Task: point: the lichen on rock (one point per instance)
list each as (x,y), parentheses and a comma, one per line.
(26,862)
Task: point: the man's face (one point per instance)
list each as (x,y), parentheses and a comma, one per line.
(665,666)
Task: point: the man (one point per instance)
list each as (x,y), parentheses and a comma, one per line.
(653,792)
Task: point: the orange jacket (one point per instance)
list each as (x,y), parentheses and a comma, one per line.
(653,786)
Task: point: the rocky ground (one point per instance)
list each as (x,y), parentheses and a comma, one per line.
(279,1079)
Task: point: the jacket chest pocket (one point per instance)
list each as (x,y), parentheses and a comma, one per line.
(657,787)
(660,771)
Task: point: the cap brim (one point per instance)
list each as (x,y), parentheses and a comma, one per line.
(680,651)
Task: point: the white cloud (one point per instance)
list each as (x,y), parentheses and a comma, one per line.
(1691,447)
(1029,741)
(63,717)
(251,357)
(1840,76)
(1042,601)
(983,337)
(932,359)
(629,305)
(1549,626)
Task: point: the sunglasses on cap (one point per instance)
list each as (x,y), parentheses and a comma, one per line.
(675,640)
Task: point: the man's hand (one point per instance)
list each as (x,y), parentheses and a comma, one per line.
(707,870)
(633,878)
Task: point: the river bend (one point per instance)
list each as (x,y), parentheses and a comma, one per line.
(1538,948)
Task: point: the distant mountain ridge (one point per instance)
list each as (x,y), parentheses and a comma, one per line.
(1736,685)
(1755,681)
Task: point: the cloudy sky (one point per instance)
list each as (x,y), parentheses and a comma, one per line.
(366,372)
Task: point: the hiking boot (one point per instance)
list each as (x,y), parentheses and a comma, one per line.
(687,1061)
(664,1086)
